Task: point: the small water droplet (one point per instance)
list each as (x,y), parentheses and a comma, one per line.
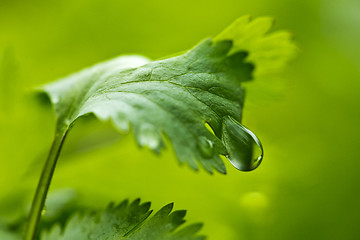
(55,99)
(43,211)
(149,136)
(245,151)
(206,147)
(121,122)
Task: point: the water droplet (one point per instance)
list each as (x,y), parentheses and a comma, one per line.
(149,136)
(43,211)
(245,151)
(55,99)
(206,147)
(121,122)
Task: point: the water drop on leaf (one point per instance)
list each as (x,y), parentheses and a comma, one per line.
(245,151)
(55,99)
(43,211)
(206,147)
(121,122)
(149,136)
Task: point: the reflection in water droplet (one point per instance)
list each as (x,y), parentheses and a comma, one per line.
(206,147)
(149,136)
(245,151)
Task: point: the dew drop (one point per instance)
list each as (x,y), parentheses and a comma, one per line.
(43,211)
(245,151)
(149,136)
(55,99)
(206,147)
(121,122)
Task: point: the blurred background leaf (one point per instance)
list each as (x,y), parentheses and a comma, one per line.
(307,117)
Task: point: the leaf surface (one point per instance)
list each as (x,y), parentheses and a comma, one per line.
(127,221)
(179,96)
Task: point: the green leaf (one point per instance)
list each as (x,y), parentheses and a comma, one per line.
(127,221)
(176,97)
(269,52)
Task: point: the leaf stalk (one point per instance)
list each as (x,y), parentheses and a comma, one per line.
(42,189)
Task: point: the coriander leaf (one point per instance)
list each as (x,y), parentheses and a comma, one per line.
(127,221)
(268,51)
(178,97)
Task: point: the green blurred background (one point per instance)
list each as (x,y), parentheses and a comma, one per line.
(307,117)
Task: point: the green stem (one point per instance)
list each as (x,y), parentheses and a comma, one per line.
(43,187)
